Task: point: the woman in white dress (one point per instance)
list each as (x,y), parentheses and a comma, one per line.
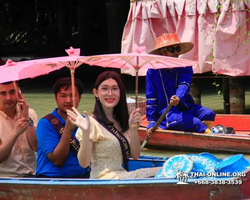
(109,136)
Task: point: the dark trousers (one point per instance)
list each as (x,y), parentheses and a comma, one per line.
(86,175)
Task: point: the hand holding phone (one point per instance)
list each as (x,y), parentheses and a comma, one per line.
(23,105)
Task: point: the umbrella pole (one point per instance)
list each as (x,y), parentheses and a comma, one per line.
(17,98)
(136,88)
(136,93)
(72,72)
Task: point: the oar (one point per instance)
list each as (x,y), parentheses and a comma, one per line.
(156,125)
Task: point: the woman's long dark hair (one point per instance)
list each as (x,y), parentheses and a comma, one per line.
(120,110)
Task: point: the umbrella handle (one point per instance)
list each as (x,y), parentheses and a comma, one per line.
(72,73)
(17,97)
(156,125)
(136,93)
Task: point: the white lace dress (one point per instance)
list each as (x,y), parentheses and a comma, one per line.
(106,160)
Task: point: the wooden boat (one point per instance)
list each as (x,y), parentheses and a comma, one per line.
(132,189)
(179,140)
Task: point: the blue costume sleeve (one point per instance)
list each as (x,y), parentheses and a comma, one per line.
(47,137)
(184,81)
(151,99)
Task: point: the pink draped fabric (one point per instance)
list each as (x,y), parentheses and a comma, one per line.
(224,49)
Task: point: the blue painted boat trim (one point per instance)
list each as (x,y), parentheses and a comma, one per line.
(96,182)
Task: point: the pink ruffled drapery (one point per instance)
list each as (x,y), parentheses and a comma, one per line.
(224,49)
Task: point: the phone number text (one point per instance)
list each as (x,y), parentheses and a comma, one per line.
(218,182)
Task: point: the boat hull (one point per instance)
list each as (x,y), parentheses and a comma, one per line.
(187,141)
(132,189)
(135,191)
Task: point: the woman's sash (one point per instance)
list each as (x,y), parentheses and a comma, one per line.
(123,143)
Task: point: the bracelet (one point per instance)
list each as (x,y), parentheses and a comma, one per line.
(30,122)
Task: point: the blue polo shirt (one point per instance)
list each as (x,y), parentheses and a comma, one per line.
(48,139)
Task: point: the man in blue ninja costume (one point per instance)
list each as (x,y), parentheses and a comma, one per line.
(172,86)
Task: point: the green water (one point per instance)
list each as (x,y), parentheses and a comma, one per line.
(43,102)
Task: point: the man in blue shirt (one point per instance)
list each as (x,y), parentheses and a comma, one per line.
(57,145)
(171,87)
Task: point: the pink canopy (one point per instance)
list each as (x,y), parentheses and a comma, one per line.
(228,43)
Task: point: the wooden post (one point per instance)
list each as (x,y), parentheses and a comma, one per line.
(64,28)
(195,90)
(225,90)
(3,18)
(84,21)
(237,96)
(117,12)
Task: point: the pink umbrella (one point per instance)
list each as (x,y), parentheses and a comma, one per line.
(136,61)
(14,71)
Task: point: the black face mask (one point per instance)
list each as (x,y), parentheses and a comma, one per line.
(172,49)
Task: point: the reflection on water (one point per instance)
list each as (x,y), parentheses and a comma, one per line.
(43,102)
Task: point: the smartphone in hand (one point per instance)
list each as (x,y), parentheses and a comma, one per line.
(20,96)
